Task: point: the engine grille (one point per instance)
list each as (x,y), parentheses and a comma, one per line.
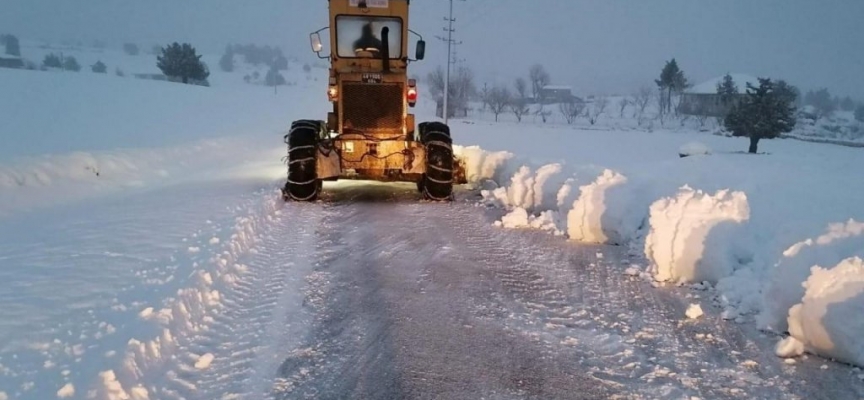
(372,106)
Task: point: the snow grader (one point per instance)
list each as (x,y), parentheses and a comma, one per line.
(370,135)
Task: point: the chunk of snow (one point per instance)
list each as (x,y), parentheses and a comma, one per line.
(789,347)
(214,241)
(68,390)
(694,311)
(693,149)
(828,320)
(692,235)
(518,218)
(109,388)
(204,361)
(193,250)
(591,219)
(146,313)
(481,165)
(3,396)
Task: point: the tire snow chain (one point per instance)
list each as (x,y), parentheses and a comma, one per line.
(302,159)
(446,146)
(429,195)
(307,198)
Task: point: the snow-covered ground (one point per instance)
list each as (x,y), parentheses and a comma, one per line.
(138,219)
(116,196)
(729,219)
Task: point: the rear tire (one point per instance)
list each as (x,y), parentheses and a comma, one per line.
(437,182)
(303,183)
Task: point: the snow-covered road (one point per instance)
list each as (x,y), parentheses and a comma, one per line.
(372,293)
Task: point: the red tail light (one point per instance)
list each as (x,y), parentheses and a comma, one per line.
(411,95)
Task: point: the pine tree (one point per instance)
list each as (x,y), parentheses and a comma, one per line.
(71,64)
(859,113)
(99,68)
(728,90)
(13,47)
(182,62)
(274,78)
(672,80)
(52,61)
(764,113)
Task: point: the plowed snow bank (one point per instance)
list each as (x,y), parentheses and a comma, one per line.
(692,235)
(828,319)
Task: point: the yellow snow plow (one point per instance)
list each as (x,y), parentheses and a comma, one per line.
(370,135)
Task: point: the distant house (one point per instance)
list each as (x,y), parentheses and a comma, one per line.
(551,94)
(703,100)
(9,61)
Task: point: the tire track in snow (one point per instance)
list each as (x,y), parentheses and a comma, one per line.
(262,312)
(628,332)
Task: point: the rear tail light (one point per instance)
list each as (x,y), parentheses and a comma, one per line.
(332,93)
(411,95)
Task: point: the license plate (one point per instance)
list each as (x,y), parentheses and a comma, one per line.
(370,3)
(372,78)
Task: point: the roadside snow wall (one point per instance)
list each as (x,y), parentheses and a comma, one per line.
(828,321)
(692,236)
(839,242)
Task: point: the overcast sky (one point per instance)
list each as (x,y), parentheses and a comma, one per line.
(596,46)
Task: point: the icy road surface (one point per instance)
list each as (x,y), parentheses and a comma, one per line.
(371,293)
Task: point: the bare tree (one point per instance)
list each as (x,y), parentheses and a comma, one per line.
(461,88)
(571,109)
(542,112)
(641,99)
(623,104)
(519,102)
(484,96)
(519,107)
(539,79)
(597,109)
(660,98)
(521,88)
(499,99)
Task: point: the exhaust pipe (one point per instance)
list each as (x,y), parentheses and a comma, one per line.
(385,52)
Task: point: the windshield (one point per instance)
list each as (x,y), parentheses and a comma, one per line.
(358,36)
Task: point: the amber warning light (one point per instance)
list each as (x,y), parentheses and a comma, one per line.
(332,90)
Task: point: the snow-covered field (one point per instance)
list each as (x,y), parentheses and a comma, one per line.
(128,209)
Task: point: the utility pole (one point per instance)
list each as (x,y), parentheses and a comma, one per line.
(446,111)
(449,29)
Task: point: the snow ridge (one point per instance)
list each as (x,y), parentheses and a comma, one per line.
(140,373)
